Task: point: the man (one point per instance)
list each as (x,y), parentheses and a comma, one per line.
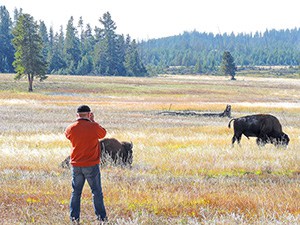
(84,135)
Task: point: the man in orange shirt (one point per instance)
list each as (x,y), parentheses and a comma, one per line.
(84,135)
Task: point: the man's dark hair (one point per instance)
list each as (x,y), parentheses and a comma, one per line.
(83,109)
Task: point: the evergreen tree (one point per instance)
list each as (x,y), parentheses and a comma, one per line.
(80,27)
(133,64)
(120,53)
(72,48)
(50,48)
(198,67)
(27,42)
(6,48)
(56,61)
(17,13)
(51,38)
(88,41)
(99,59)
(106,49)
(228,66)
(85,65)
(44,36)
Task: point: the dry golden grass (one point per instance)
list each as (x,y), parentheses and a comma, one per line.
(185,170)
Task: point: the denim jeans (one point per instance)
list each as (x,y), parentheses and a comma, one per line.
(93,177)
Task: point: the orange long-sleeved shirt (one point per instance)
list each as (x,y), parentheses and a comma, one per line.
(84,136)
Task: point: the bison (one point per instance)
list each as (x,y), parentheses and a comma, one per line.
(120,153)
(265,127)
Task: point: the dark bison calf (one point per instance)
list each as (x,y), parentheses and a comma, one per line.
(265,127)
(120,153)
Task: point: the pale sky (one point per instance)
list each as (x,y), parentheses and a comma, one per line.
(145,19)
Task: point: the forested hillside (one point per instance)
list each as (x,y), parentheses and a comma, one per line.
(202,52)
(81,49)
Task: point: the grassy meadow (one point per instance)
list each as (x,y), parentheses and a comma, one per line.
(184,169)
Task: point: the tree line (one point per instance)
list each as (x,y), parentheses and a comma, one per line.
(79,50)
(195,52)
(85,50)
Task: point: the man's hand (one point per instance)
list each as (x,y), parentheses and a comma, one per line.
(92,117)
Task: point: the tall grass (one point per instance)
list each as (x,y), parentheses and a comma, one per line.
(184,171)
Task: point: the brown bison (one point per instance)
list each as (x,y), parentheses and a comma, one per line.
(265,127)
(120,153)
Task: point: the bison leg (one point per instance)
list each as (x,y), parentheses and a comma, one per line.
(114,157)
(236,138)
(124,156)
(233,140)
(261,141)
(239,140)
(104,157)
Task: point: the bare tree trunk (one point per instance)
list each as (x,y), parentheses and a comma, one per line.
(30,82)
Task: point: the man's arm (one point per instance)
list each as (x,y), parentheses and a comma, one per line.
(101,132)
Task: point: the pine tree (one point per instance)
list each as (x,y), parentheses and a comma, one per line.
(133,64)
(50,49)
(44,36)
(80,27)
(27,42)
(72,48)
(85,65)
(106,49)
(120,53)
(6,48)
(228,66)
(88,41)
(56,60)
(17,13)
(198,67)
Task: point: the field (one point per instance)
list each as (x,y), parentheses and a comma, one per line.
(184,171)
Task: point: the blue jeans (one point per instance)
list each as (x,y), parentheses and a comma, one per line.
(93,177)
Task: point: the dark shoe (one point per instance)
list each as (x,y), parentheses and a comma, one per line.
(75,221)
(103,221)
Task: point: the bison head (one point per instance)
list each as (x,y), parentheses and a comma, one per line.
(284,139)
(281,139)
